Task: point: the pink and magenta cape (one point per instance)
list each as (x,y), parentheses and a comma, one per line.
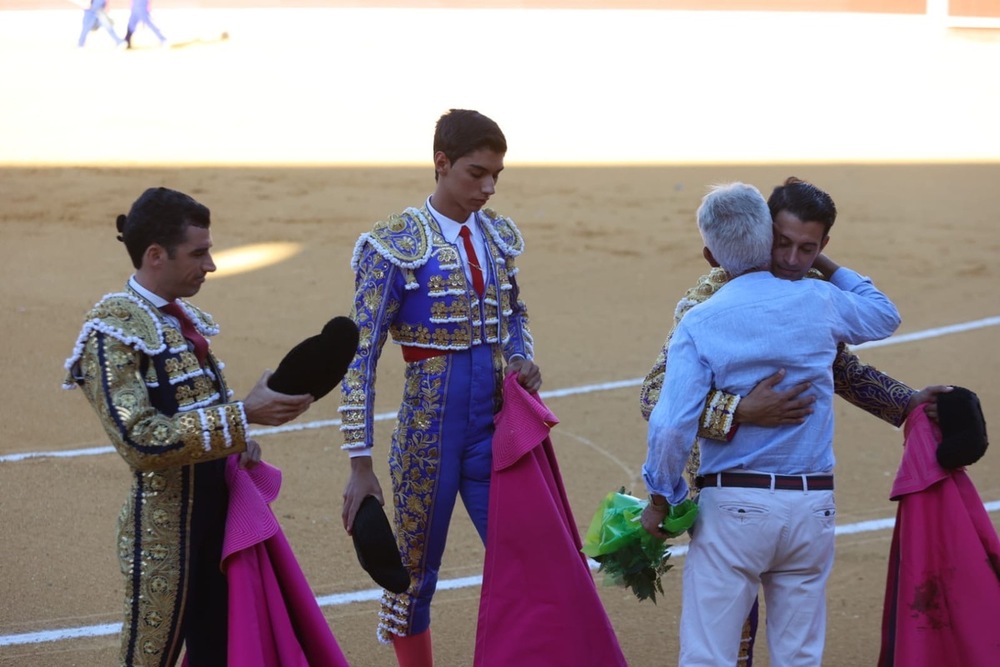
(274,620)
(942,599)
(539,604)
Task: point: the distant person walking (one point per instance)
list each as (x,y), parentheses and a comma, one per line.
(140,14)
(97,14)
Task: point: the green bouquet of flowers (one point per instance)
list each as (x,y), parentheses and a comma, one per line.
(628,555)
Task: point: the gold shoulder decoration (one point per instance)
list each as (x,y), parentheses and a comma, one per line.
(707,285)
(203,322)
(404,240)
(504,232)
(124,317)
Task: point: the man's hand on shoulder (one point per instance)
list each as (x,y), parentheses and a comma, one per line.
(825,265)
(529,375)
(764,406)
(265,406)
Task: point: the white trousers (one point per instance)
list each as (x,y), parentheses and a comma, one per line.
(745,538)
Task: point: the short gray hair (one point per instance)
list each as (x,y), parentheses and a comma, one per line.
(736,227)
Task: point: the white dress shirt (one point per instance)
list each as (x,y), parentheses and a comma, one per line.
(451,229)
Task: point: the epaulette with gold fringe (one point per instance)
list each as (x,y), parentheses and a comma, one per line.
(404,240)
(504,232)
(131,320)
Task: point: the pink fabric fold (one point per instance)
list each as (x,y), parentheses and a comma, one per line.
(918,469)
(274,620)
(539,605)
(942,600)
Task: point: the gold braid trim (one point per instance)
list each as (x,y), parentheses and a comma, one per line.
(717,418)
(404,240)
(505,233)
(148,440)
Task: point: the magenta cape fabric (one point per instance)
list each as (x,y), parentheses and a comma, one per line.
(942,601)
(274,620)
(539,605)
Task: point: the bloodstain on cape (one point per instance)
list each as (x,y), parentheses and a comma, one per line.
(942,598)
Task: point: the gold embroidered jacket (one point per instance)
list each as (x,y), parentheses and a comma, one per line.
(860,384)
(159,406)
(410,284)
(163,412)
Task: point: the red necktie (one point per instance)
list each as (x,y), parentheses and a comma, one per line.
(475,269)
(187,328)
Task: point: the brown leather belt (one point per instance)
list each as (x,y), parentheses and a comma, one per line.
(762,481)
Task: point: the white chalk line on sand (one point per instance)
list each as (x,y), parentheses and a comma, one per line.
(930,333)
(464,582)
(373,594)
(555,393)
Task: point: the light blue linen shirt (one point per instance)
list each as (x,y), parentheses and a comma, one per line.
(753,326)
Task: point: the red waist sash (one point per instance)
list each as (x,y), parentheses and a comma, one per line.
(411,354)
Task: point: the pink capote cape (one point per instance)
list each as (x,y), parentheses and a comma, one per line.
(539,605)
(942,599)
(274,620)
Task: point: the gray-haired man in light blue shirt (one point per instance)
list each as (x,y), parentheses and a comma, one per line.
(766,504)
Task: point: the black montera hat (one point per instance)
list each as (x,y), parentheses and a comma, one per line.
(376,547)
(963,428)
(317,364)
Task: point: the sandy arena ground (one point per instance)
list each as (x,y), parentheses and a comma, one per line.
(307,125)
